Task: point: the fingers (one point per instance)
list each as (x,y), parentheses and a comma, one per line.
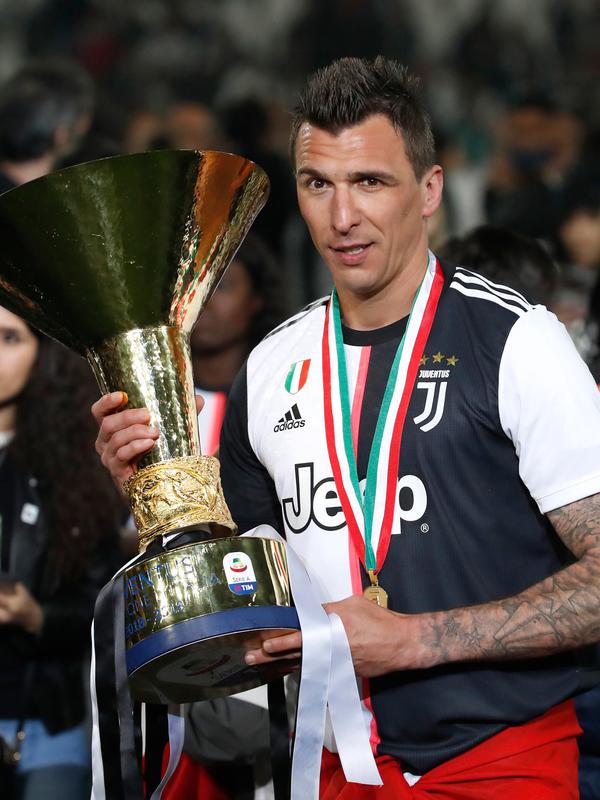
(255,658)
(123,436)
(287,647)
(121,440)
(108,404)
(283,644)
(125,456)
(199,403)
(124,447)
(121,420)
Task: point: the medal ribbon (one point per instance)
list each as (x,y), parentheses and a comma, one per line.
(376,510)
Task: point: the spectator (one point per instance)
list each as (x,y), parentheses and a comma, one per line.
(246,305)
(539,150)
(247,126)
(58,514)
(45,110)
(192,126)
(580,236)
(570,304)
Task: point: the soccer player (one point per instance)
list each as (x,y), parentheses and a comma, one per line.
(429,443)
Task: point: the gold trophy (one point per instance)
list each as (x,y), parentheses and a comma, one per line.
(116,259)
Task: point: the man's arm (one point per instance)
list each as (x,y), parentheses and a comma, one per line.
(559,613)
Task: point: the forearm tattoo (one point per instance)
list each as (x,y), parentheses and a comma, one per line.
(559,613)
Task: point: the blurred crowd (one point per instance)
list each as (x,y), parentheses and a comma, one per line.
(510,88)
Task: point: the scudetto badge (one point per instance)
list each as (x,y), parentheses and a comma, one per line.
(297,376)
(239,573)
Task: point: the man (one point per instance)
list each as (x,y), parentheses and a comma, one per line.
(431,439)
(45,110)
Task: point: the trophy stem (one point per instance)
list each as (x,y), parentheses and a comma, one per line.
(153,365)
(174,488)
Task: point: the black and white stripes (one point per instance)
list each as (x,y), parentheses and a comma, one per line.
(473,285)
(322,301)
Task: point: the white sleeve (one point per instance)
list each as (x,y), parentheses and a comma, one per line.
(549,407)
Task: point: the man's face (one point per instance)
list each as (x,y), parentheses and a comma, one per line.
(363,205)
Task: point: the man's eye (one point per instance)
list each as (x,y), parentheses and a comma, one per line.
(316,183)
(10,337)
(371,182)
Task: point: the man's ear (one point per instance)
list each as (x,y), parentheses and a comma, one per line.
(432,184)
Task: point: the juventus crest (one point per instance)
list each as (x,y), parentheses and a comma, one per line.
(434,389)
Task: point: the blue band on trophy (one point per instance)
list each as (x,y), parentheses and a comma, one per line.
(217,624)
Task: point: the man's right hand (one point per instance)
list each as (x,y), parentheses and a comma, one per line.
(123,436)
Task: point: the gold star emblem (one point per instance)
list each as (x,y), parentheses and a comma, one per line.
(423,361)
(437,359)
(453,360)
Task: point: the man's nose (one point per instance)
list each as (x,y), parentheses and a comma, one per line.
(344,212)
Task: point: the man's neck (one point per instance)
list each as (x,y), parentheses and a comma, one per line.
(393,302)
(217,369)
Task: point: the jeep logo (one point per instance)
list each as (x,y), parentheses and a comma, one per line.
(319,503)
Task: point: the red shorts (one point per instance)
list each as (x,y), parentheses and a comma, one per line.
(534,761)
(192,781)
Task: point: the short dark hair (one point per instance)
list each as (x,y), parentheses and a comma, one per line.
(508,257)
(349,90)
(45,95)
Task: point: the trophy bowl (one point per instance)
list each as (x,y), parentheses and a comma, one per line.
(116,259)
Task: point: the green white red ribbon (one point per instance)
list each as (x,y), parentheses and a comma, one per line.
(370,518)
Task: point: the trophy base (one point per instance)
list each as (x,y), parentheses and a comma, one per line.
(199,660)
(193,612)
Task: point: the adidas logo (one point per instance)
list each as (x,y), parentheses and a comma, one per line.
(291,419)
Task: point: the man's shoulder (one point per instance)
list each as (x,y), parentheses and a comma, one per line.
(303,327)
(292,346)
(496,319)
(306,316)
(476,293)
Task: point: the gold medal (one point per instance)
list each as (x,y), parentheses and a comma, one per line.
(376,593)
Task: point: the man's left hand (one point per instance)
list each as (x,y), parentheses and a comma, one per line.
(380,640)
